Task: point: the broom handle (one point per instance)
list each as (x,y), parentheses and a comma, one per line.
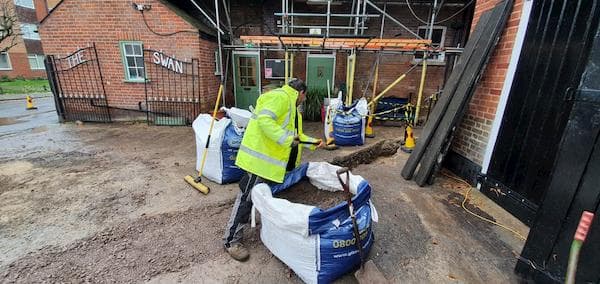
(212,123)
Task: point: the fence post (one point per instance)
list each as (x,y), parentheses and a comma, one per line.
(51,74)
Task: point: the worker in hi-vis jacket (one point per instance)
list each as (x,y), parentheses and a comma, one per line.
(271,147)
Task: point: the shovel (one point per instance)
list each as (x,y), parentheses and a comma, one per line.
(368,271)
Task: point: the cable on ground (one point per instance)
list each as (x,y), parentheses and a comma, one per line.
(466,197)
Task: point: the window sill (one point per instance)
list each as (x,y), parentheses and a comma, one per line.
(135,81)
(5,69)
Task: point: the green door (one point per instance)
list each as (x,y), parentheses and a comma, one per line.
(319,70)
(246,74)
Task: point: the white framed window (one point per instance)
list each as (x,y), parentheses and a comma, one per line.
(438,37)
(30,31)
(5,61)
(36,61)
(133,61)
(25,3)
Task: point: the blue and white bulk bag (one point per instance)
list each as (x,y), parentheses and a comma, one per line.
(224,144)
(319,245)
(330,111)
(349,124)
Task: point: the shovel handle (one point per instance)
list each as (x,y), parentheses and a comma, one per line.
(345,185)
(309,143)
(356,232)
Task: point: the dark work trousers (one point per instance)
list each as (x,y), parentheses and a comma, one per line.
(241,210)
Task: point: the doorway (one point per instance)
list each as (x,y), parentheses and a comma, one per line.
(319,69)
(246,77)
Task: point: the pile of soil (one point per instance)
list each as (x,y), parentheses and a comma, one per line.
(306,193)
(367,155)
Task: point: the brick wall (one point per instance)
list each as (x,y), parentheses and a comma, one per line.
(473,134)
(256,20)
(79,23)
(41,9)
(21,68)
(18,53)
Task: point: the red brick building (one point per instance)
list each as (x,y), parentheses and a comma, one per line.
(26,58)
(74,24)
(120,32)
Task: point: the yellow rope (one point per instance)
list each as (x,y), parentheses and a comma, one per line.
(466,197)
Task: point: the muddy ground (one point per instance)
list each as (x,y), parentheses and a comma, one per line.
(107,203)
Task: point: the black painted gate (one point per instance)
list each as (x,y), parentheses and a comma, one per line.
(172,89)
(77,85)
(556,46)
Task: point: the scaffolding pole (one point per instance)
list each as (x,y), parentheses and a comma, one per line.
(328,18)
(356,19)
(424,63)
(390,86)
(217,25)
(392,18)
(364,11)
(208,17)
(286,77)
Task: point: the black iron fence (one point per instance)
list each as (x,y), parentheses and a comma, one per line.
(172,89)
(78,88)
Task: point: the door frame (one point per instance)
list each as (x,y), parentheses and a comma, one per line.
(259,66)
(321,55)
(507,86)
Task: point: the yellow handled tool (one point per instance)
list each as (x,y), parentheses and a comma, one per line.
(197,182)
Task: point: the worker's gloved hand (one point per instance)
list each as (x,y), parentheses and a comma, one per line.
(296,141)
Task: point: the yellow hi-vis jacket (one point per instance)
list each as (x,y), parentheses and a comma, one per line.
(267,141)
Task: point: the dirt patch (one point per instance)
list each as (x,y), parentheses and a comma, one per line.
(383,148)
(306,193)
(8,121)
(15,168)
(39,129)
(129,252)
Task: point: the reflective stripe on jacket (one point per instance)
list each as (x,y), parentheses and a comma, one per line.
(267,141)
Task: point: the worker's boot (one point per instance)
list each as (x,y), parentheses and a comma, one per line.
(238,252)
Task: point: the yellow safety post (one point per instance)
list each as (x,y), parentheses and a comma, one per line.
(292,64)
(30,105)
(329,140)
(287,68)
(369,129)
(421,86)
(389,87)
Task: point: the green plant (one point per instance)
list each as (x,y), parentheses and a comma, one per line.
(5,78)
(313,103)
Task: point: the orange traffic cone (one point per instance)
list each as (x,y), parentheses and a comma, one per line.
(30,103)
